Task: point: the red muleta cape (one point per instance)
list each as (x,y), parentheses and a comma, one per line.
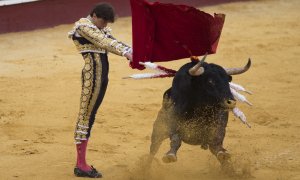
(166,32)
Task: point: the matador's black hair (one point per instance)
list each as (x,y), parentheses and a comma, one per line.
(104,11)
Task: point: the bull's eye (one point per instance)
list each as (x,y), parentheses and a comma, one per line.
(211,82)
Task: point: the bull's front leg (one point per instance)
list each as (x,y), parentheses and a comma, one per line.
(175,144)
(159,133)
(161,128)
(217,138)
(221,153)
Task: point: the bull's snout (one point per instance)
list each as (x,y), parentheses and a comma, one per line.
(229,103)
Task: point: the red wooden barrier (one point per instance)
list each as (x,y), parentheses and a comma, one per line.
(48,13)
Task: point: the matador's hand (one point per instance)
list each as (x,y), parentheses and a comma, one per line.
(128,56)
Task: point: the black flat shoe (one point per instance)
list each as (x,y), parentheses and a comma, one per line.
(92,173)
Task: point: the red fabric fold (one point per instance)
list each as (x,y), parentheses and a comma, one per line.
(166,32)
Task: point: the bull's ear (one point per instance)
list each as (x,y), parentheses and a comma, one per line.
(229,78)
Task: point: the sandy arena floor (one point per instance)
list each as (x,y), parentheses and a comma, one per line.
(40,89)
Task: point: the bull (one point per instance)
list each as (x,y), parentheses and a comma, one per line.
(195,110)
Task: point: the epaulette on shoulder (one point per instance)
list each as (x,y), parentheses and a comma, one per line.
(81,22)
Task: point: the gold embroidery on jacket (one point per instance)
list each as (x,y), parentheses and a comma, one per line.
(97,37)
(88,48)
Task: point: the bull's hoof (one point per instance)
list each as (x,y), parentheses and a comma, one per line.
(226,165)
(169,158)
(223,156)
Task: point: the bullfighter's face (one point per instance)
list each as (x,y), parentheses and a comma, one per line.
(99,22)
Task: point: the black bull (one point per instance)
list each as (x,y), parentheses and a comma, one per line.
(195,110)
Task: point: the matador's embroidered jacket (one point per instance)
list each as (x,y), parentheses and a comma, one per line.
(88,38)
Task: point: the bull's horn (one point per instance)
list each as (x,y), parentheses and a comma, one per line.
(204,57)
(196,70)
(235,71)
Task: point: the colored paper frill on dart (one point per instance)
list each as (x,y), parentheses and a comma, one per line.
(166,32)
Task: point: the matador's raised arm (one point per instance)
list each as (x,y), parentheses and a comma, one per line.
(100,38)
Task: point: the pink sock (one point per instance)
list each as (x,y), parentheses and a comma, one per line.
(81,152)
